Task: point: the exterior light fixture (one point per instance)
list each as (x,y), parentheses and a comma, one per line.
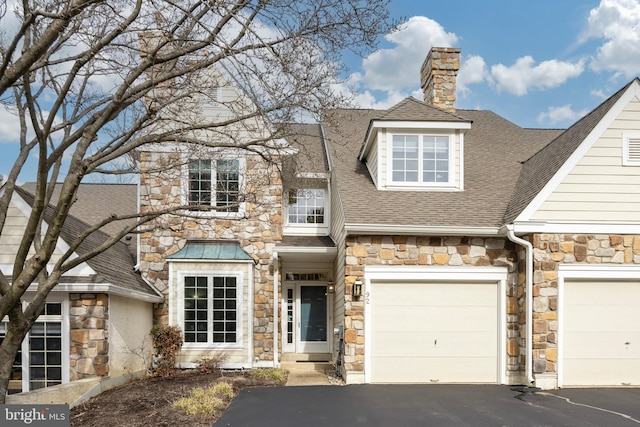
(357,289)
(331,288)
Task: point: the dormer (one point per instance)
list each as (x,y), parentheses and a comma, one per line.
(419,146)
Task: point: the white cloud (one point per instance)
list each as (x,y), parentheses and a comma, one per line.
(473,70)
(563,113)
(524,75)
(397,69)
(617,22)
(9,126)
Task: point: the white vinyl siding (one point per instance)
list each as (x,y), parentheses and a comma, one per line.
(599,188)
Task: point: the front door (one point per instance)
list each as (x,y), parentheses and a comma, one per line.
(306,319)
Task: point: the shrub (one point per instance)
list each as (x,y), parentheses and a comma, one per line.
(167,341)
(205,401)
(275,374)
(210,364)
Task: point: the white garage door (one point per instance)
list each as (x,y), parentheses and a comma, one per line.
(433,332)
(601,333)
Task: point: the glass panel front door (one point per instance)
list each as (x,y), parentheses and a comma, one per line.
(313,313)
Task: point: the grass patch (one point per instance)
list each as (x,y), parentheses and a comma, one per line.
(275,374)
(205,401)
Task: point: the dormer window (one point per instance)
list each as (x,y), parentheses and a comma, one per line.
(421,159)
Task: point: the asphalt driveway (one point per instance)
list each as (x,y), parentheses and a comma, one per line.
(432,405)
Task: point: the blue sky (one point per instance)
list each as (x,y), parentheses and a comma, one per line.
(542,63)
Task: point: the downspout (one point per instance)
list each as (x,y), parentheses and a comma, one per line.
(276,271)
(529,300)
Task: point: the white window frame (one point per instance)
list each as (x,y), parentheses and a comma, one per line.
(630,149)
(420,183)
(242,170)
(63,318)
(304,228)
(240,277)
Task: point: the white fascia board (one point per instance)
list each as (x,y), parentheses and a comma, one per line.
(400,229)
(103,288)
(521,228)
(632,91)
(326,250)
(376,125)
(599,271)
(212,261)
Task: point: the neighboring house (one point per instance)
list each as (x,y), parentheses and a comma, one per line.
(96,322)
(416,244)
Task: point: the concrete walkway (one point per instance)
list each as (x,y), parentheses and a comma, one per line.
(303,377)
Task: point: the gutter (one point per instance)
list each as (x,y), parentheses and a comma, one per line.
(352,228)
(529,300)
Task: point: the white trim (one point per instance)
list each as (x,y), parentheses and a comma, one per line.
(351,228)
(496,275)
(250,293)
(242,177)
(321,250)
(240,276)
(579,153)
(104,288)
(449,185)
(461,158)
(276,289)
(586,271)
(575,228)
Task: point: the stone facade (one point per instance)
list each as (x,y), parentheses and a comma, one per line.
(258,230)
(438,77)
(89,331)
(425,251)
(551,250)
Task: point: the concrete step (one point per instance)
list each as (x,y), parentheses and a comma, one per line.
(306,357)
(307,366)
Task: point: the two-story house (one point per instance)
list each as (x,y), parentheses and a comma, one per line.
(422,243)
(419,244)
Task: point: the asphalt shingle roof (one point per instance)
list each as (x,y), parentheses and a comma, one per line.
(114,265)
(494,150)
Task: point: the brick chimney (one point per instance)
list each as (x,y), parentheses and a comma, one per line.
(438,77)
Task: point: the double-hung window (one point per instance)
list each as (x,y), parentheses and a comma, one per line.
(211,309)
(214,183)
(421,159)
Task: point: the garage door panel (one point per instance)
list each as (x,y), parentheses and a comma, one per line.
(454,294)
(386,344)
(601,333)
(445,370)
(420,332)
(418,318)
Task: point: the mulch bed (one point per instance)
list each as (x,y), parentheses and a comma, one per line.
(149,401)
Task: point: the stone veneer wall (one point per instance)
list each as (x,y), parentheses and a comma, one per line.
(425,251)
(438,77)
(89,330)
(258,232)
(550,250)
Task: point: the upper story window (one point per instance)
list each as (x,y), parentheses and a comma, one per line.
(306,206)
(307,211)
(421,159)
(215,183)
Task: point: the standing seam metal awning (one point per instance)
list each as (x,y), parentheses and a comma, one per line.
(227,250)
